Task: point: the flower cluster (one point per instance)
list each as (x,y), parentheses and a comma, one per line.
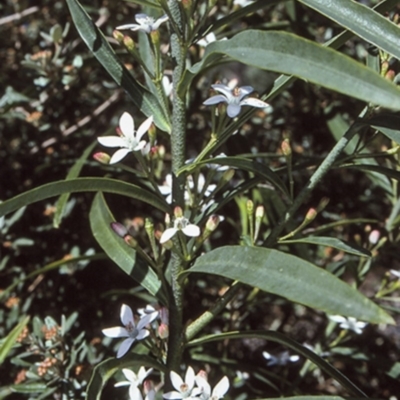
(145,23)
(349,324)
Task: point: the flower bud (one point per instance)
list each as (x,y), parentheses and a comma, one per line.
(102,158)
(286,148)
(213,222)
(155,38)
(163,331)
(149,227)
(119,229)
(118,36)
(250,207)
(311,215)
(130,241)
(374,236)
(227,175)
(152,132)
(129,44)
(260,212)
(384,68)
(178,213)
(390,75)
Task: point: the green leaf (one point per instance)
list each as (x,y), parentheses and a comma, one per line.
(123,255)
(362,21)
(9,341)
(331,242)
(291,344)
(292,55)
(106,369)
(98,45)
(34,387)
(387,172)
(290,277)
(73,173)
(388,124)
(82,185)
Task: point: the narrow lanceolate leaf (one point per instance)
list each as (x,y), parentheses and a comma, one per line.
(388,124)
(332,242)
(115,247)
(106,369)
(362,21)
(292,55)
(290,277)
(98,45)
(9,341)
(82,185)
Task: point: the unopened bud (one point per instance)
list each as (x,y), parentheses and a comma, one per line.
(152,132)
(250,207)
(260,212)
(322,204)
(213,222)
(155,38)
(119,229)
(163,331)
(311,214)
(390,75)
(286,148)
(130,241)
(129,43)
(178,213)
(161,151)
(187,4)
(384,68)
(374,236)
(203,374)
(118,36)
(149,227)
(102,158)
(167,219)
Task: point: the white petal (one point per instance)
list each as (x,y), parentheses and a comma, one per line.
(127,125)
(172,395)
(123,383)
(245,90)
(225,90)
(142,334)
(130,375)
(167,234)
(115,332)
(126,315)
(233,110)
(127,26)
(160,21)
(124,347)
(219,98)
(176,380)
(191,230)
(253,102)
(119,155)
(143,374)
(143,128)
(143,19)
(134,393)
(111,141)
(147,319)
(204,386)
(189,378)
(221,388)
(337,318)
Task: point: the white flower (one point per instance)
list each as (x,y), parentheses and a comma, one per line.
(130,140)
(218,392)
(217,167)
(183,389)
(180,224)
(130,330)
(134,381)
(145,23)
(349,323)
(199,187)
(209,38)
(234,99)
(167,85)
(280,359)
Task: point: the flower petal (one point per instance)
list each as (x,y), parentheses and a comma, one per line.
(115,332)
(221,388)
(143,128)
(127,125)
(245,90)
(172,395)
(253,102)
(191,230)
(124,347)
(126,315)
(146,320)
(135,393)
(142,334)
(111,141)
(219,98)
(160,21)
(127,26)
(119,155)
(176,380)
(143,19)
(189,378)
(167,234)
(131,376)
(224,89)
(233,110)
(204,386)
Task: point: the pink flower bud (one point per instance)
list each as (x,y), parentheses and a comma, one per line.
(102,158)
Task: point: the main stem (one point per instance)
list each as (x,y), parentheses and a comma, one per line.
(175,341)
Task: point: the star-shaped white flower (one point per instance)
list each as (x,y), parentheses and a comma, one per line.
(131,330)
(134,380)
(145,23)
(130,140)
(234,98)
(218,392)
(280,359)
(183,389)
(180,224)
(349,323)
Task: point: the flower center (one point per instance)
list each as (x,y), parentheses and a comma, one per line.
(133,332)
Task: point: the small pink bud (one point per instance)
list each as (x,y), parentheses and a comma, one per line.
(130,241)
(163,331)
(374,236)
(178,213)
(311,214)
(102,158)
(129,43)
(213,222)
(119,229)
(118,36)
(286,148)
